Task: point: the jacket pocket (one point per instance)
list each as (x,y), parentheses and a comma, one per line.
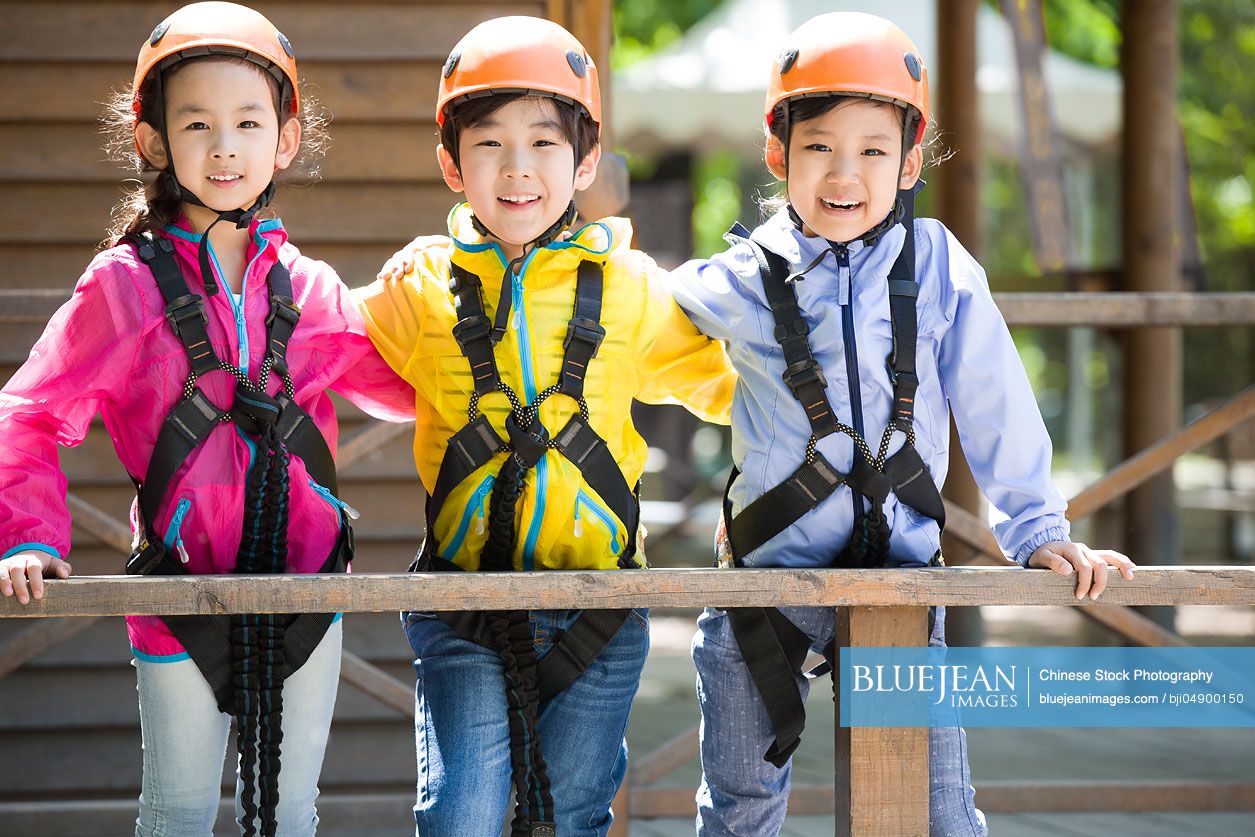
(589,512)
(472,526)
(334,501)
(174,531)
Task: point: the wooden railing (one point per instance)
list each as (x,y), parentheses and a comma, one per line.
(881,784)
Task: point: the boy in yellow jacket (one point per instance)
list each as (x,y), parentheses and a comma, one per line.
(526,348)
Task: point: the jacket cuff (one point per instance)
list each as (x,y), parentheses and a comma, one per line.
(30,547)
(1054,533)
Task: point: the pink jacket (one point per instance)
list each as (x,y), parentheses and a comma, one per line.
(109,350)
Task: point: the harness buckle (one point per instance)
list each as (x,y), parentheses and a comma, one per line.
(284,309)
(586,332)
(904,386)
(184,309)
(471,330)
(803,374)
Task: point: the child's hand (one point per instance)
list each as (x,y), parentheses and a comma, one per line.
(1091,565)
(22,575)
(402,261)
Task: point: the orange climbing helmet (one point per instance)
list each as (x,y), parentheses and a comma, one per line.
(216,28)
(856,54)
(520,55)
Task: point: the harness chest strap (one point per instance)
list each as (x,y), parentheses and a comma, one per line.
(475,444)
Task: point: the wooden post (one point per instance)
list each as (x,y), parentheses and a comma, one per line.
(881,774)
(1151,253)
(958,207)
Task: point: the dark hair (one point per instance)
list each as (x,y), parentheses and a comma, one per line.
(149,207)
(578,128)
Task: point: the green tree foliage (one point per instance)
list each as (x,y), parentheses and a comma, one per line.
(642,27)
(1217,94)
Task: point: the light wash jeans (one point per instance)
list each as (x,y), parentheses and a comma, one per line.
(741,793)
(461,733)
(185,744)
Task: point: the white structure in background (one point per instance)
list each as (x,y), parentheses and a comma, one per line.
(706,90)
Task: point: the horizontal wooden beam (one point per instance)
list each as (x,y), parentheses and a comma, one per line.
(367,592)
(1054,310)
(1126,310)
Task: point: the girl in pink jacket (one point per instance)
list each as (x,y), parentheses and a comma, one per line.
(208,349)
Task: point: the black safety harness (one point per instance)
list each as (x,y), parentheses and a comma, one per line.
(773,647)
(244,658)
(529,683)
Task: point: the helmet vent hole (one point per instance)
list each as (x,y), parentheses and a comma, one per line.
(451,64)
(913,66)
(577,63)
(788,60)
(158,32)
(286,44)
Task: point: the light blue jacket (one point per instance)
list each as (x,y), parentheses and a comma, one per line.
(965,354)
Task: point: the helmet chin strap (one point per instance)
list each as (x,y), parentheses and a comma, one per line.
(240,217)
(544,239)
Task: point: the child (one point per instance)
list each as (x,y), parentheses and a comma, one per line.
(526,352)
(812,304)
(208,349)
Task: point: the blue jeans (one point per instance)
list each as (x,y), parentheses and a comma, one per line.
(461,733)
(185,744)
(741,794)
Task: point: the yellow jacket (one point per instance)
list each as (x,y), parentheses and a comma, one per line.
(651,353)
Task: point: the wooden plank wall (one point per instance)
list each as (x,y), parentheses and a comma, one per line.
(374,65)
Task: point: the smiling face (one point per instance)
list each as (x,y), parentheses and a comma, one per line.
(225,136)
(517,169)
(843,168)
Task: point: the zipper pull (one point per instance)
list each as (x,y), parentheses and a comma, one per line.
(479,521)
(181,550)
(353,514)
(579,524)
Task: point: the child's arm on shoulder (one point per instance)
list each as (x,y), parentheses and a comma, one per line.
(1002,433)
(84,359)
(392,306)
(357,369)
(679,364)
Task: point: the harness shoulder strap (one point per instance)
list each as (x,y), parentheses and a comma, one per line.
(584,332)
(473,330)
(802,373)
(185,311)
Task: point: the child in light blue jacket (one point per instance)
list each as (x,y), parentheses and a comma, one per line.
(856,330)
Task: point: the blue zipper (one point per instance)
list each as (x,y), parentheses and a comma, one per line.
(529,390)
(475,509)
(846,294)
(601,514)
(174,533)
(334,501)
